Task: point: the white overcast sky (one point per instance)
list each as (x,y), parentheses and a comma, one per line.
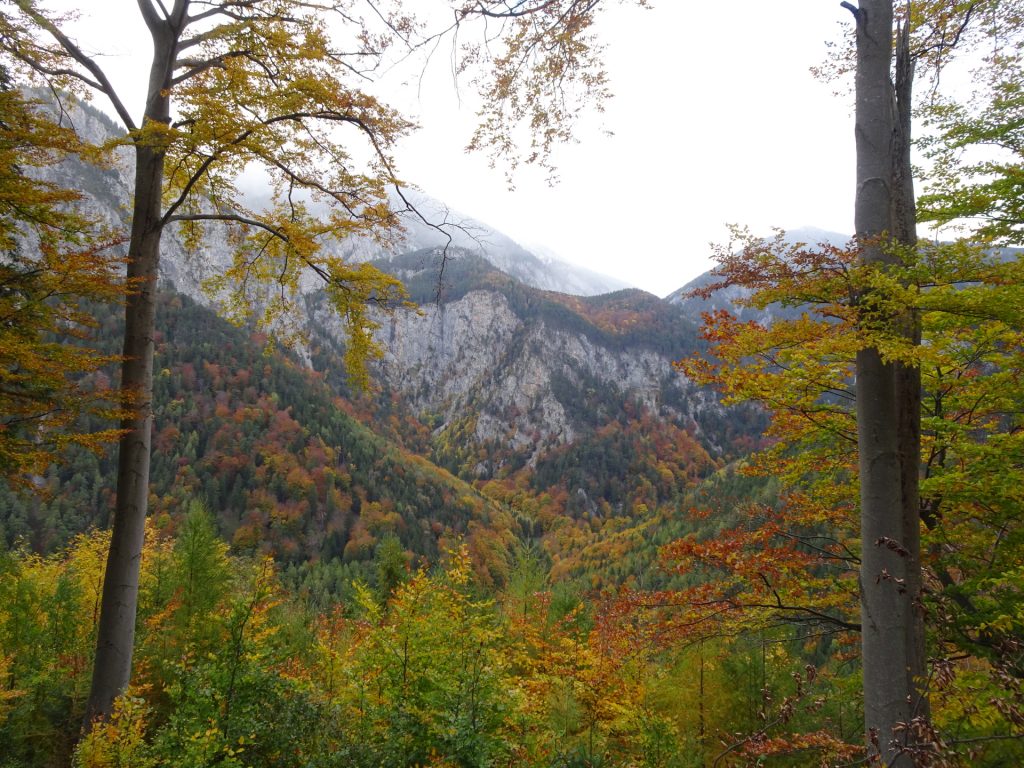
(716,119)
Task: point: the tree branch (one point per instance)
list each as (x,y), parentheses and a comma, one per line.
(197,66)
(230,218)
(102,83)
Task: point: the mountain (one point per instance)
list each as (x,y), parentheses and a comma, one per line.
(271,448)
(537,267)
(503,410)
(493,343)
(561,393)
(427,223)
(730,298)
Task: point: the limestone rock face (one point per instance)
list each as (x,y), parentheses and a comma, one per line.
(502,356)
(526,374)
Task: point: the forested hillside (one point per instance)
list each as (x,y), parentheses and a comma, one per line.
(291,466)
(564,392)
(272,449)
(297,472)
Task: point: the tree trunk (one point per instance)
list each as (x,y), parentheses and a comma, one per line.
(908,377)
(886,612)
(116,632)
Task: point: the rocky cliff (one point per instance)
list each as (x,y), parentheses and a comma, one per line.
(510,378)
(508,375)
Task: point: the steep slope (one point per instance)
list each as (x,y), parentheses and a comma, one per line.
(271,449)
(566,410)
(107,190)
(494,362)
(568,396)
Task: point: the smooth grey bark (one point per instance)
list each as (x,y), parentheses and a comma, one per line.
(116,632)
(908,378)
(886,599)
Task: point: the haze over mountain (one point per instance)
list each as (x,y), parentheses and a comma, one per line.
(498,379)
(431,225)
(428,223)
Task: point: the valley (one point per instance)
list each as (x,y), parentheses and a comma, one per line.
(302,468)
(500,412)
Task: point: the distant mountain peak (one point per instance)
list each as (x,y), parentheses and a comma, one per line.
(816,235)
(435,225)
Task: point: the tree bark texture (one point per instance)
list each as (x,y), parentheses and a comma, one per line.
(116,632)
(908,377)
(886,601)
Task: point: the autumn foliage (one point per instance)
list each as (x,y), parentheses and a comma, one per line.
(52,261)
(796,564)
(423,668)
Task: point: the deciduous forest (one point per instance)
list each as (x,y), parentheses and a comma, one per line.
(301,479)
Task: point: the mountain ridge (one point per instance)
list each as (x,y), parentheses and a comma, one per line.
(563,410)
(429,223)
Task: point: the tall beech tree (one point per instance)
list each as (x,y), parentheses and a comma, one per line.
(799,565)
(888,388)
(879,292)
(275,84)
(890,533)
(253,83)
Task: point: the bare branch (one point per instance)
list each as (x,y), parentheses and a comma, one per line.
(167,16)
(101,84)
(230,218)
